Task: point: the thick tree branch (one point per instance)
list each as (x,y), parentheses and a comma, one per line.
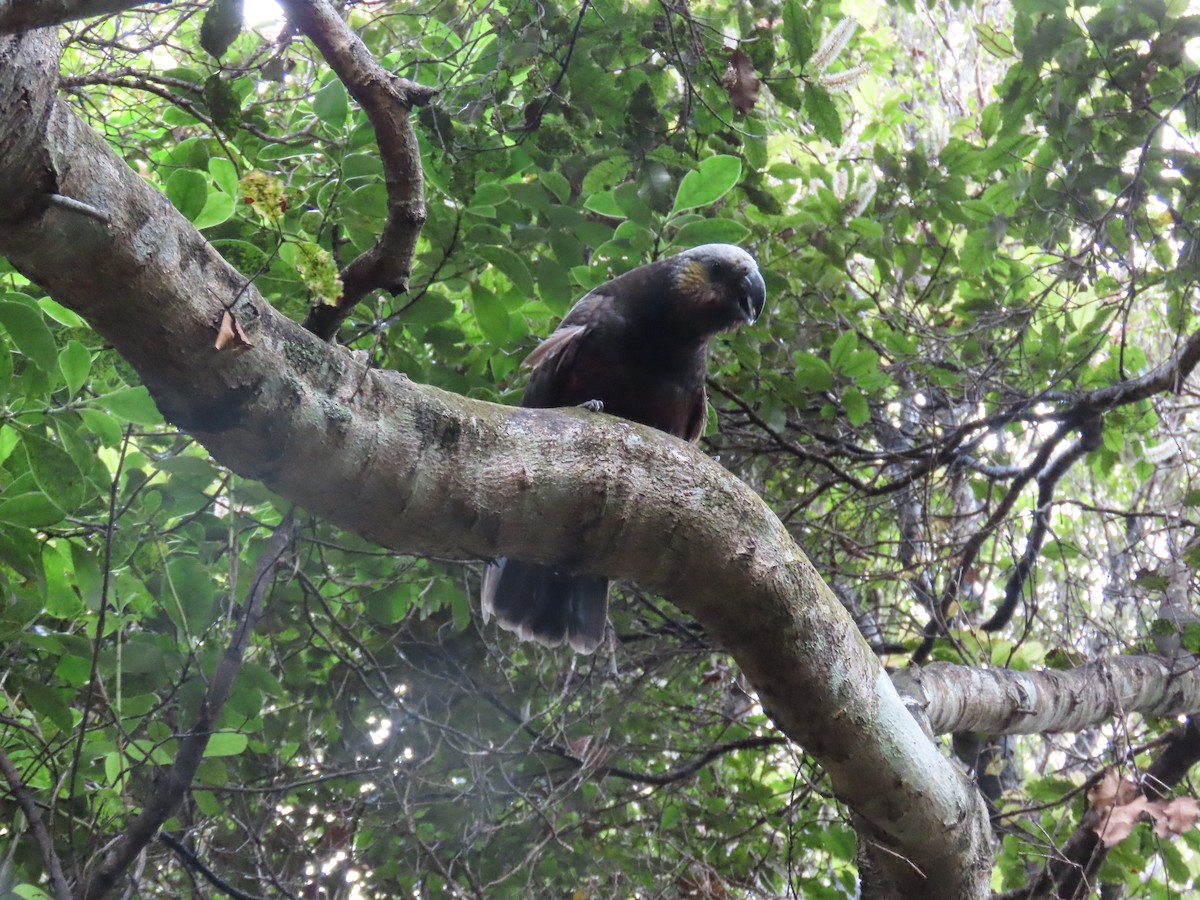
(21,15)
(387,100)
(424,471)
(1168,375)
(16,784)
(177,781)
(1003,701)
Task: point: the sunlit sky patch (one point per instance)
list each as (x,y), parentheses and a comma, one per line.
(260,13)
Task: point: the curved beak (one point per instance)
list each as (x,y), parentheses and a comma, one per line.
(753,295)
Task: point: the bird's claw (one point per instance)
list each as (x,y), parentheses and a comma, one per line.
(592,405)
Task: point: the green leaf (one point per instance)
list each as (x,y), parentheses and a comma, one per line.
(331,103)
(490,313)
(9,441)
(225,743)
(868,228)
(711,231)
(115,769)
(102,425)
(29,510)
(29,892)
(558,185)
(88,580)
(187,189)
(787,92)
(605,174)
(823,114)
(370,200)
(713,179)
(811,372)
(432,308)
(511,265)
(221,26)
(861,365)
(606,204)
(6,363)
(190,588)
(218,208)
(47,702)
(55,472)
(141,656)
(855,405)
(133,405)
(74,362)
(27,327)
(995,41)
(797,31)
(60,313)
(489,193)
(224,173)
(976,251)
(843,347)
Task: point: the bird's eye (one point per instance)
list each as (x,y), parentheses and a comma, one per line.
(716,269)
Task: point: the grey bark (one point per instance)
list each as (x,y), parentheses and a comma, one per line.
(20,15)
(1004,701)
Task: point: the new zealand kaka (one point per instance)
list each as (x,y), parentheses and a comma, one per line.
(639,345)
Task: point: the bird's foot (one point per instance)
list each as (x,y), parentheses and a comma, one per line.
(592,405)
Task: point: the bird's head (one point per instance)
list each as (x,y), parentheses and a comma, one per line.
(721,283)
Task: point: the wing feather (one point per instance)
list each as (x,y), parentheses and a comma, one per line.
(553,346)
(553,359)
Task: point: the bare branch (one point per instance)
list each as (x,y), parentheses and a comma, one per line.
(1088,441)
(966,560)
(387,100)
(1168,375)
(22,15)
(193,862)
(20,791)
(682,772)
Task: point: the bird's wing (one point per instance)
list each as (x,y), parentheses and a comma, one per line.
(551,363)
(552,360)
(552,348)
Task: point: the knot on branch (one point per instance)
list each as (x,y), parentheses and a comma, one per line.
(1091,433)
(410,93)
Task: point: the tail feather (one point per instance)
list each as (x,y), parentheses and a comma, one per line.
(541,604)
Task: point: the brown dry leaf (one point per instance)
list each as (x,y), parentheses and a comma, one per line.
(740,82)
(1111,790)
(1172,817)
(231,332)
(1116,825)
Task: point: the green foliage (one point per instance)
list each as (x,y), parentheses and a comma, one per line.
(222,22)
(928,271)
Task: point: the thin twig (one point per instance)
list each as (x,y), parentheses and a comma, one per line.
(178,779)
